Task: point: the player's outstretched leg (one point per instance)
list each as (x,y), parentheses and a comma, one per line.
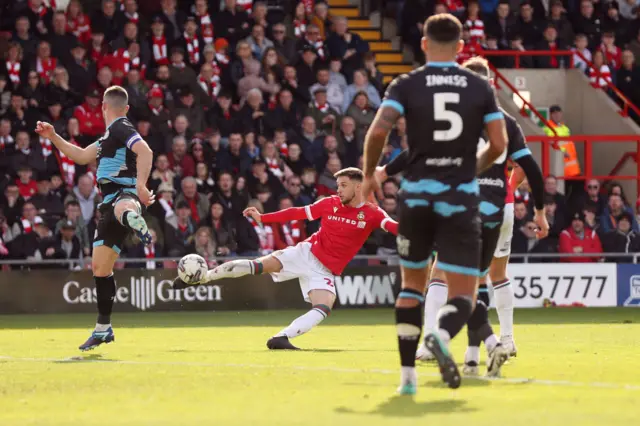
(322,302)
(128,213)
(103,261)
(236,269)
(504,300)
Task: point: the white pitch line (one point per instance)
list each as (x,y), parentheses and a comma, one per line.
(509,380)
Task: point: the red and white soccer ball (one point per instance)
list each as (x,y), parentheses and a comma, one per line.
(192,269)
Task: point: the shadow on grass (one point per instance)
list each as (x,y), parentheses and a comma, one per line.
(406,406)
(342,317)
(83,358)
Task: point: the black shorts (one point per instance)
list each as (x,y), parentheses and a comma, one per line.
(109,231)
(490,237)
(455,230)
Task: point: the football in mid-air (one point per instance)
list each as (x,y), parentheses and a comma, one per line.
(192,269)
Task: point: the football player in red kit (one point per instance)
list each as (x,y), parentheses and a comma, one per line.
(346,222)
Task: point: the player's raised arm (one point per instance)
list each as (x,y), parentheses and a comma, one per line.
(521,154)
(78,155)
(311,212)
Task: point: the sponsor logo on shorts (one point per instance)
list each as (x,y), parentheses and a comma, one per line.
(359,290)
(403,245)
(144,293)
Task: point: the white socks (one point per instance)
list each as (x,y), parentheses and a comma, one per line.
(304,323)
(491,342)
(503,295)
(472,354)
(437,294)
(234,269)
(102,327)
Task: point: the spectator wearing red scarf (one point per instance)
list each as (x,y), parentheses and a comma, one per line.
(205,23)
(300,22)
(78,23)
(612,53)
(98,48)
(289,233)
(158,43)
(209,82)
(13,64)
(39,17)
(44,62)
(471,46)
(25,182)
(474,22)
(551,44)
(192,43)
(198,203)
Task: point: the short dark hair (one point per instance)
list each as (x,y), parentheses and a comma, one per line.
(116,96)
(71,203)
(352,173)
(478,65)
(443,28)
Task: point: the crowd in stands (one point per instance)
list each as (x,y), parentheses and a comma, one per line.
(593,221)
(605,33)
(244,103)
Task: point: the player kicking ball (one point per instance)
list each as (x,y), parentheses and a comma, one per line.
(346,222)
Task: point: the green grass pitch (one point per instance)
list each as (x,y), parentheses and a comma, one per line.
(575,367)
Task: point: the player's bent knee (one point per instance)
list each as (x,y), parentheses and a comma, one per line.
(270,264)
(125,205)
(498,269)
(322,297)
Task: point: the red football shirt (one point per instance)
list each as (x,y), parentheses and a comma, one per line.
(343,229)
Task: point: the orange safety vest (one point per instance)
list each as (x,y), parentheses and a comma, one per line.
(571,164)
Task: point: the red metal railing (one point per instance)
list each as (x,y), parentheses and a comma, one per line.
(548,143)
(517,54)
(525,103)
